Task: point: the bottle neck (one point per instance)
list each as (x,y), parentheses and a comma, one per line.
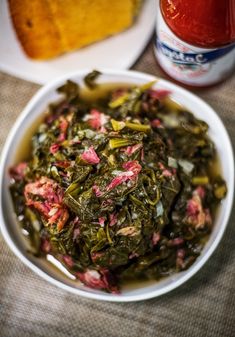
(207,24)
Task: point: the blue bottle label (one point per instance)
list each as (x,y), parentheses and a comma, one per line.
(180,57)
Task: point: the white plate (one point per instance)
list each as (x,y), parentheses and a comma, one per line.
(11,230)
(119,51)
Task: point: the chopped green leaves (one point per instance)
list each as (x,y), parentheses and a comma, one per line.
(119,101)
(117,125)
(200,180)
(115,143)
(118,187)
(90,79)
(70,89)
(138,127)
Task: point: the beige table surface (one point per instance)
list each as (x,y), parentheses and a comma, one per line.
(204,306)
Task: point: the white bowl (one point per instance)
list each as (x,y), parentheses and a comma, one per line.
(37,105)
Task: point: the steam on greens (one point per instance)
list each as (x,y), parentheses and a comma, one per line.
(118,188)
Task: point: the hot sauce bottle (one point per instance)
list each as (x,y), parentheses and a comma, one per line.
(195,40)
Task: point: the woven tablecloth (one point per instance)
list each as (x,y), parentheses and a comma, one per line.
(204,306)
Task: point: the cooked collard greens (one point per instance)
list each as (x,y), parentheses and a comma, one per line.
(118,188)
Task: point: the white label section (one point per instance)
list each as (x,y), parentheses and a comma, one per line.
(189,64)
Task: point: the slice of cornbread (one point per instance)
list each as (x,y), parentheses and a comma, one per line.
(48,28)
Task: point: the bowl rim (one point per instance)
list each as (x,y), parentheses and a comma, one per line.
(110,297)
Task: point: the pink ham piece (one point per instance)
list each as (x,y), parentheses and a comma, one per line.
(113,219)
(195,214)
(142,154)
(132,149)
(50,204)
(96,255)
(62,163)
(68,260)
(156,238)
(90,156)
(121,178)
(76,233)
(200,190)
(133,255)
(105,203)
(103,129)
(97,280)
(175,242)
(165,172)
(156,123)
(101,221)
(96,190)
(180,255)
(63,128)
(132,168)
(18,172)
(54,148)
(159,93)
(97,119)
